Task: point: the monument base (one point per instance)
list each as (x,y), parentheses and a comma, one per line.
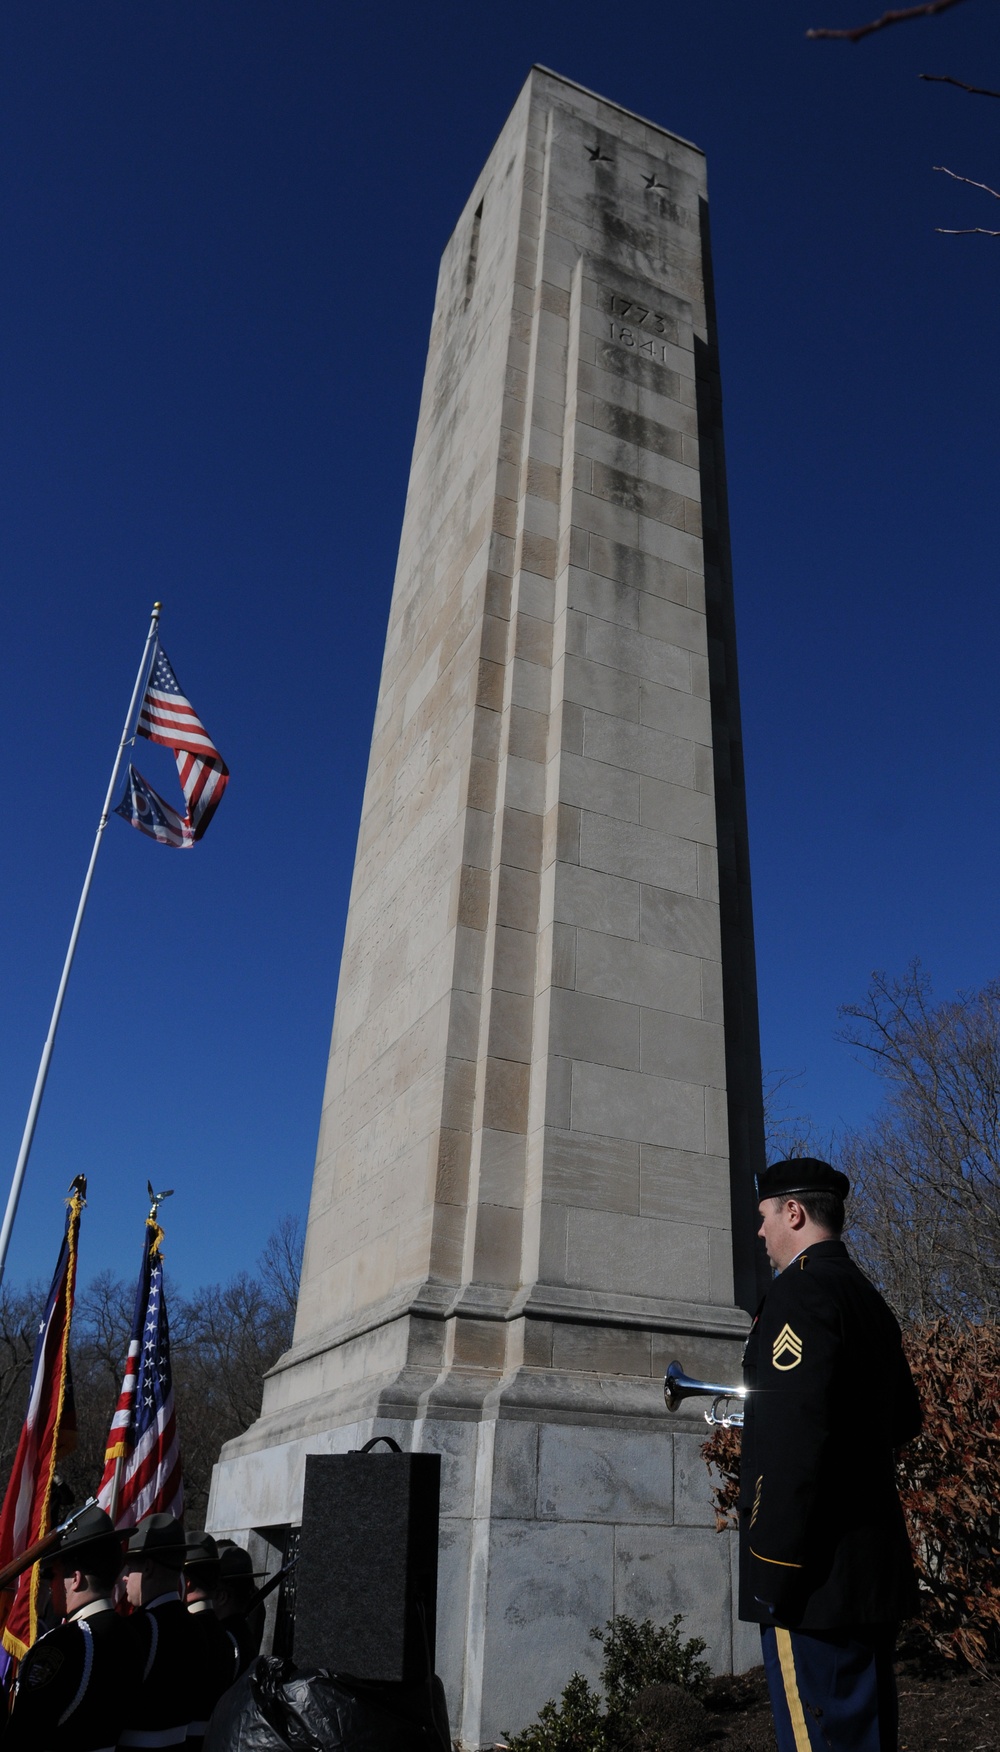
(568,1497)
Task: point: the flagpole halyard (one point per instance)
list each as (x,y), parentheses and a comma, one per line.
(28,1134)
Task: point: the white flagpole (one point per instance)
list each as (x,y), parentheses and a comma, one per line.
(43,1069)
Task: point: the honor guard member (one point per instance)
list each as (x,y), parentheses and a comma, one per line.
(165,1703)
(240,1618)
(74,1685)
(825,1563)
(216,1668)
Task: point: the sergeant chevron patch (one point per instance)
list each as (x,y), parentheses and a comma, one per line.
(787,1344)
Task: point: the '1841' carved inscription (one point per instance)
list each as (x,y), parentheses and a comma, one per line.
(639,327)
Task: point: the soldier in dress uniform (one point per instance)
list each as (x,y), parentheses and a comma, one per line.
(217,1658)
(825,1562)
(166,1701)
(75,1684)
(242,1621)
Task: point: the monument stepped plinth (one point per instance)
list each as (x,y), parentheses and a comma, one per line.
(534,1180)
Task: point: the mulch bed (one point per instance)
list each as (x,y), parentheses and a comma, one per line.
(960,1712)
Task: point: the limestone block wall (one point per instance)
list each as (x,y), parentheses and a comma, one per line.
(384,1209)
(534,1076)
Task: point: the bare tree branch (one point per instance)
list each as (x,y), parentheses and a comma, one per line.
(280,1264)
(901,15)
(965,231)
(925,1215)
(968,179)
(946,79)
(786,1132)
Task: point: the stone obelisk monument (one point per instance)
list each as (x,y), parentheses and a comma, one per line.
(542,1117)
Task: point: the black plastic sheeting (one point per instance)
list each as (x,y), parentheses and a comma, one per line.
(274,1708)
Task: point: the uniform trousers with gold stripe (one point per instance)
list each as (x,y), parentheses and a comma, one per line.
(831,1692)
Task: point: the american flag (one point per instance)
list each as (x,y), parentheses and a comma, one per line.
(167,716)
(143,1432)
(144,808)
(48,1434)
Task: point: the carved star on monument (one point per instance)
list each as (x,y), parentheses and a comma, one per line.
(652,182)
(596,155)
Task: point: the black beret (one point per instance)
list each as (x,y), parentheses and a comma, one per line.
(801,1174)
(90,1540)
(160,1538)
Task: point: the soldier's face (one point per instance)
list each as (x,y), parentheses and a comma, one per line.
(778,1231)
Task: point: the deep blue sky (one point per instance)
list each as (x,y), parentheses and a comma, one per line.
(221,222)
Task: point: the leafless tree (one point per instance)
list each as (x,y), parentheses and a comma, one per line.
(925,1208)
(787,1132)
(224,1338)
(280,1266)
(19,1312)
(906,15)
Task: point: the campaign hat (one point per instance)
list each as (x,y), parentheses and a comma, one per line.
(236,1564)
(201,1561)
(90,1540)
(159,1538)
(801,1174)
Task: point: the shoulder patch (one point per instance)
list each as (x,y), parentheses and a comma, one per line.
(45,1663)
(788,1344)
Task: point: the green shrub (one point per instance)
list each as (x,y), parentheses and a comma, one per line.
(574,1724)
(635,1656)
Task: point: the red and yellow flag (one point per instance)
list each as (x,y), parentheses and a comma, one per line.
(49,1433)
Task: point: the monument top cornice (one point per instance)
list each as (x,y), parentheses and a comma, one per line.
(609,102)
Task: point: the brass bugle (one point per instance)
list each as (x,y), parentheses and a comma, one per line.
(678,1386)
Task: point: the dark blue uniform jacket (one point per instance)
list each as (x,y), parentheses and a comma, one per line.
(214,1671)
(75,1686)
(823,1544)
(166,1701)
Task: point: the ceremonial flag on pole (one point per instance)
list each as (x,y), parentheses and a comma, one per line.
(142,1459)
(167,715)
(144,808)
(49,1433)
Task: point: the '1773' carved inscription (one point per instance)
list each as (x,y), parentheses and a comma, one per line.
(639,327)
